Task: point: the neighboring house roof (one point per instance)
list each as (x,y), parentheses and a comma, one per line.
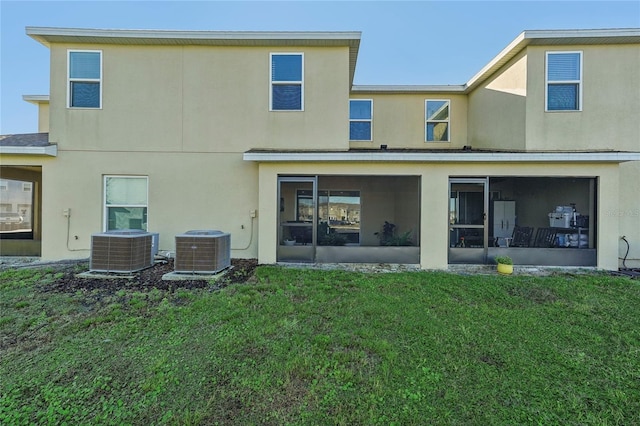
(36,99)
(441,155)
(526,38)
(351,39)
(28,143)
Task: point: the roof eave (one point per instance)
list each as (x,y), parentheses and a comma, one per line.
(445,157)
(48,150)
(36,99)
(350,39)
(540,37)
(47,35)
(393,89)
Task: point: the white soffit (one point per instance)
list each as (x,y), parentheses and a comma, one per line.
(448,157)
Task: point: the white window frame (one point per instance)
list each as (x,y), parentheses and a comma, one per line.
(82,80)
(297,82)
(427,121)
(370,120)
(546,80)
(105,207)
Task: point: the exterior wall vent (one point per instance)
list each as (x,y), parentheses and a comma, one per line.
(204,252)
(126,250)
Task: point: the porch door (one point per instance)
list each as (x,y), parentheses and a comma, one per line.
(468,232)
(297,219)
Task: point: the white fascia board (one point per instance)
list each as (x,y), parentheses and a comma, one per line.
(588,33)
(50,150)
(431,157)
(46,34)
(408,89)
(501,58)
(36,99)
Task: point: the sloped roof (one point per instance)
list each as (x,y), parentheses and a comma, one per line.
(526,38)
(27,143)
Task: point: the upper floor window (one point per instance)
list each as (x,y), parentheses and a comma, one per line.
(564,81)
(360,118)
(125,202)
(287,82)
(84,79)
(437,120)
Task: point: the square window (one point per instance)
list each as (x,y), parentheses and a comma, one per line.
(437,120)
(287,71)
(125,202)
(564,81)
(84,79)
(360,119)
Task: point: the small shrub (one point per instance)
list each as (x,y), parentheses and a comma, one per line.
(505,260)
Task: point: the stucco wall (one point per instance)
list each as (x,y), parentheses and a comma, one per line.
(497,108)
(185,192)
(399,121)
(43,117)
(610,102)
(201,99)
(628,212)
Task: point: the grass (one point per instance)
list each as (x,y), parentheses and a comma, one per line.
(324,347)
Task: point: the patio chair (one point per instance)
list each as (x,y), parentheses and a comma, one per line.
(521,236)
(545,237)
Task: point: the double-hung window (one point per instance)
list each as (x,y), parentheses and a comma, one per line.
(125,202)
(287,82)
(437,120)
(564,81)
(84,79)
(360,119)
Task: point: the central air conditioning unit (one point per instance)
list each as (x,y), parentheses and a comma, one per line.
(202,252)
(127,250)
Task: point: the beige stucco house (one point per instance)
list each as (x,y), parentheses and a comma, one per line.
(263,135)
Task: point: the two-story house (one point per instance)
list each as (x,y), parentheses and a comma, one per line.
(263,135)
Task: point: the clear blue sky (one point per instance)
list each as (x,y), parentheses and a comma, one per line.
(418,42)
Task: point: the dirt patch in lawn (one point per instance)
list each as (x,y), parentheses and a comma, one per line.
(241,271)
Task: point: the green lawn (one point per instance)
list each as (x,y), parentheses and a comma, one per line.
(324,347)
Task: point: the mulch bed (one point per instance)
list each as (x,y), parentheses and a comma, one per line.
(242,270)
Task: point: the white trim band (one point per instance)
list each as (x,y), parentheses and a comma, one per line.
(445,157)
